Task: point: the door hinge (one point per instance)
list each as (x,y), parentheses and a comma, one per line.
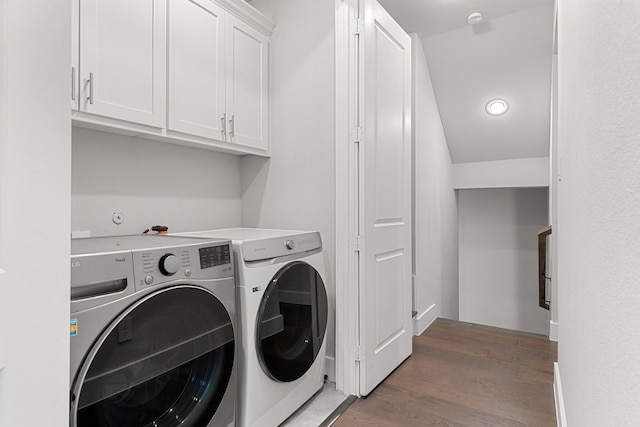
(356,26)
(357,134)
(356,243)
(356,353)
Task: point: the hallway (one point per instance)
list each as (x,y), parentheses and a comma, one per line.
(463,374)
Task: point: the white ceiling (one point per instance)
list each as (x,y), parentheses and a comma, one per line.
(508,56)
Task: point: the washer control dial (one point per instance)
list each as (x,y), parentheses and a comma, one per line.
(290,244)
(169,264)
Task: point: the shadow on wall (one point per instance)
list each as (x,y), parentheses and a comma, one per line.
(255,173)
(482,28)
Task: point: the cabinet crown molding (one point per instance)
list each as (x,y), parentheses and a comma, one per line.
(249,14)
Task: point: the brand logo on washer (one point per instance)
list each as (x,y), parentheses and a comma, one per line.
(121,259)
(75,264)
(256,289)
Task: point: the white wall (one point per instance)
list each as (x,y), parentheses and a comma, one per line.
(499,257)
(35,164)
(151,183)
(533,172)
(435,215)
(296,187)
(599,212)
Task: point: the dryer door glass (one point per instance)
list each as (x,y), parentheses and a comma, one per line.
(166,361)
(292,321)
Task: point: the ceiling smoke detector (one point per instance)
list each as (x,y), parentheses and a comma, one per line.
(474,18)
(497,107)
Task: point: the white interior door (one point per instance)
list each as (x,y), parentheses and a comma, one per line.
(385,197)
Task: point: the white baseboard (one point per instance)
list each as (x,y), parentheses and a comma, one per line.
(330,368)
(561,416)
(553,331)
(422,321)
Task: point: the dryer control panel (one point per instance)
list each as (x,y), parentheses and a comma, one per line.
(274,247)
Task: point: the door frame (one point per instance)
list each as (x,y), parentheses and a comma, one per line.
(346,139)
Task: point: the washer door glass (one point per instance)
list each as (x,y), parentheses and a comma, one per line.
(292,321)
(166,361)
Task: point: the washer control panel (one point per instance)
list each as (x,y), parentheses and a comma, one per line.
(108,267)
(156,266)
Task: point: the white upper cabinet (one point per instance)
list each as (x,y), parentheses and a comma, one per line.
(217,76)
(196,68)
(192,72)
(75,50)
(246,84)
(122,73)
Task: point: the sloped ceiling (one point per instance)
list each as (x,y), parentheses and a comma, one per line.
(508,55)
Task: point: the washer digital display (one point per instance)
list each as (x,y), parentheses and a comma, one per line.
(213,256)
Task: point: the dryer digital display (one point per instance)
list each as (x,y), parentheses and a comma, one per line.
(213,256)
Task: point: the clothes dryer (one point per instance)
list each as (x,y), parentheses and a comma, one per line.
(283,312)
(152,332)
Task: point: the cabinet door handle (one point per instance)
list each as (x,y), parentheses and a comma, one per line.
(224,126)
(90,82)
(232,125)
(73,83)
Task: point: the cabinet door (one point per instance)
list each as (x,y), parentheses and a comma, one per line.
(123,59)
(75,51)
(246,84)
(196,68)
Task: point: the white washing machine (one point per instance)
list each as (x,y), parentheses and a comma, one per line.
(283,311)
(152,332)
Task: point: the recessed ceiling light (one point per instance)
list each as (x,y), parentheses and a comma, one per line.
(474,18)
(497,107)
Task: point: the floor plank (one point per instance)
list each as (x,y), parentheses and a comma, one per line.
(461,374)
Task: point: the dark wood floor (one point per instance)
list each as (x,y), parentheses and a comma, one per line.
(462,374)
